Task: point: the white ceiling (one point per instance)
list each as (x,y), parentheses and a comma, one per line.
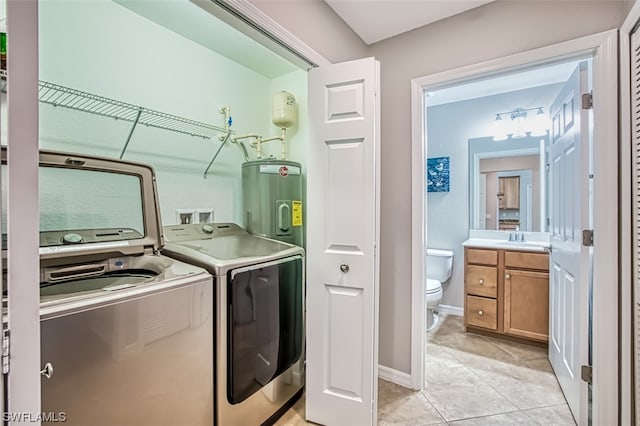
(375,20)
(537,77)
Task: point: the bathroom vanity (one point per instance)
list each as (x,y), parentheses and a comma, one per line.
(507,289)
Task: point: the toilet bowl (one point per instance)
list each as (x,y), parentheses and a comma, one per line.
(439,268)
(434,297)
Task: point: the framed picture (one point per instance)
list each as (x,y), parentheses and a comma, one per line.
(438,174)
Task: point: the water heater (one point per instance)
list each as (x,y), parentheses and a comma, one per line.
(272,199)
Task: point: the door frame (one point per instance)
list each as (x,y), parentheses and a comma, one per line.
(627,406)
(603,47)
(23,391)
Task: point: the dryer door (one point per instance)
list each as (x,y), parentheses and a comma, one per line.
(265,324)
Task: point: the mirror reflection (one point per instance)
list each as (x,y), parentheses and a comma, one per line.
(508,184)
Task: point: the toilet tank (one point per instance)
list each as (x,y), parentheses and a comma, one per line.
(439,264)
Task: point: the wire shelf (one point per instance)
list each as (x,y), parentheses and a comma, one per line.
(66,97)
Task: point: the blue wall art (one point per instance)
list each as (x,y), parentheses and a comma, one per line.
(438,174)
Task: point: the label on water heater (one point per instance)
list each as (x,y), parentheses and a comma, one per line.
(279,169)
(296,214)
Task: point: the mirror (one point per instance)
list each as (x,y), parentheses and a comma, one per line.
(508,184)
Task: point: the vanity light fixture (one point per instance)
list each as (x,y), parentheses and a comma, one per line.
(518,124)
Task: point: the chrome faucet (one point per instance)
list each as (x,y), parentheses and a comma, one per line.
(516,236)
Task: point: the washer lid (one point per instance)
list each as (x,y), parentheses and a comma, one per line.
(433,286)
(95,206)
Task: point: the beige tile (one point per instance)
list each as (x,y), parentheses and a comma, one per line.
(398,405)
(294,416)
(449,325)
(530,384)
(469,347)
(457,394)
(558,415)
(413,410)
(507,419)
(438,357)
(521,351)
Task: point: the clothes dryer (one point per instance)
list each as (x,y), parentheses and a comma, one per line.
(259,304)
(126,333)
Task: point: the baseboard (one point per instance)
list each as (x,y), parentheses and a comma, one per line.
(395,376)
(451,310)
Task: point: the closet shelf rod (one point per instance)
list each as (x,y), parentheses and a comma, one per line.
(66,97)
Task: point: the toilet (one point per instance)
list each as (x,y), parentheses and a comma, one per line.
(439,268)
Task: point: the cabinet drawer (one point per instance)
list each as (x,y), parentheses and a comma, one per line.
(482,312)
(481,280)
(526,260)
(482,257)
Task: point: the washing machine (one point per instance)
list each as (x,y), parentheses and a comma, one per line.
(126,333)
(259,304)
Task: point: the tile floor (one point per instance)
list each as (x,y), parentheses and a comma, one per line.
(471,380)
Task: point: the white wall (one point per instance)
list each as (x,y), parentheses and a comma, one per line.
(103,48)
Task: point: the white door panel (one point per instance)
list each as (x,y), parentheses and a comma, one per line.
(569,278)
(342,269)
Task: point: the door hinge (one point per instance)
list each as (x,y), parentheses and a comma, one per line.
(5,351)
(586,373)
(587,100)
(587,237)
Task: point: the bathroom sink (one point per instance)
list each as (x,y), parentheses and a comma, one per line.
(508,245)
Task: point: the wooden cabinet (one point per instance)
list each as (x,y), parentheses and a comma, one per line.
(507,293)
(526,304)
(509,192)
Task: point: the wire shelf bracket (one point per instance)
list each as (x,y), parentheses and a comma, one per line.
(66,97)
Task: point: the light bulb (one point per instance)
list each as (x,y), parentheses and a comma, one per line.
(498,129)
(519,118)
(540,124)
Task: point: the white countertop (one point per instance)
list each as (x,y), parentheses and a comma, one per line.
(539,246)
(533,241)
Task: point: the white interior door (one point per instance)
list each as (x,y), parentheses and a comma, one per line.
(342,235)
(569,213)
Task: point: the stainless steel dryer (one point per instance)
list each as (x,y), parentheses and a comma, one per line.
(259,295)
(126,333)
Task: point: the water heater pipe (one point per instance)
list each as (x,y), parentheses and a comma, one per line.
(257,144)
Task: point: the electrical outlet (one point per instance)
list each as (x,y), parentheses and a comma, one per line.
(185,216)
(204,215)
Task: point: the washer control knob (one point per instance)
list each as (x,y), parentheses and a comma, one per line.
(72,238)
(207,229)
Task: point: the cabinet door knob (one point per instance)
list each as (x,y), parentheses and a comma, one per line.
(344,268)
(507,276)
(481,312)
(481,280)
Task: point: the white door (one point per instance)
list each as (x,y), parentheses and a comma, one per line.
(569,214)
(342,235)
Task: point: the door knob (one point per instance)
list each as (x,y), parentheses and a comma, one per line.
(47,371)
(481,312)
(344,268)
